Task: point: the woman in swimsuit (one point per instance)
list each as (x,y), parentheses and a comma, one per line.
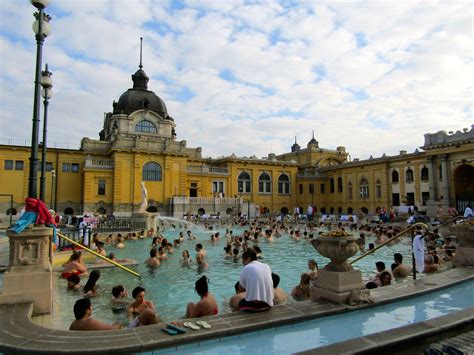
(75,265)
(140,303)
(207,306)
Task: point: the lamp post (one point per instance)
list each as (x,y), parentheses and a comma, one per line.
(42,30)
(47,93)
(53,177)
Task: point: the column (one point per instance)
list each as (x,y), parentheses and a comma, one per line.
(432,178)
(444,175)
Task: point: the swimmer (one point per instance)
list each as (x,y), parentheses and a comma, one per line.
(75,265)
(140,303)
(207,306)
(186,258)
(73,282)
(153,261)
(90,288)
(84,320)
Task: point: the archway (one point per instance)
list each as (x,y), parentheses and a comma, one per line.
(350,210)
(152,209)
(284,210)
(464,186)
(201,211)
(365,210)
(68,210)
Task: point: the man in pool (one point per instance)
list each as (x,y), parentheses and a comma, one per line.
(399,269)
(256,281)
(84,320)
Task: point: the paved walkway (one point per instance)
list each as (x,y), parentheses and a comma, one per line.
(18,333)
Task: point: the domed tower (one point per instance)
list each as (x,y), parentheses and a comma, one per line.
(138,111)
(313,143)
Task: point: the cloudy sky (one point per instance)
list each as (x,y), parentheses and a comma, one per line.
(246,77)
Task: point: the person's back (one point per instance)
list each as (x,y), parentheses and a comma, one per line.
(256,279)
(279,295)
(400,269)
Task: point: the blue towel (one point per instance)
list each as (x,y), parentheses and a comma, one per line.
(24,221)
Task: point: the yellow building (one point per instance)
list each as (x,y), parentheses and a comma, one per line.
(138,144)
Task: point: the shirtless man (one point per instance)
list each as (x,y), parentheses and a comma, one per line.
(279,295)
(84,320)
(235,299)
(398,268)
(200,251)
(153,261)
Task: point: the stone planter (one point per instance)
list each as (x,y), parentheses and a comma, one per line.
(338,249)
(464,234)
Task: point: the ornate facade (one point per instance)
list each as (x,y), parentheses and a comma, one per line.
(138,143)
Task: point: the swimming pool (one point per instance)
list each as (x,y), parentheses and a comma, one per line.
(171,286)
(333,329)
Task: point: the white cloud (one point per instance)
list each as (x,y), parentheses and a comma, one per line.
(412,75)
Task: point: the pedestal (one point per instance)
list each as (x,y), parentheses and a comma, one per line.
(465,237)
(29,276)
(336,286)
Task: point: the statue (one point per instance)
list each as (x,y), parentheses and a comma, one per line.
(144,204)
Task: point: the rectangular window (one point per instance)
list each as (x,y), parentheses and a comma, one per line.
(425,196)
(378,191)
(410,198)
(322,188)
(396,199)
(218,186)
(101,187)
(66,167)
(301,189)
(74,168)
(19,165)
(311,188)
(49,166)
(8,164)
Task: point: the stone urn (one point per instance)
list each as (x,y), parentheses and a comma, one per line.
(338,249)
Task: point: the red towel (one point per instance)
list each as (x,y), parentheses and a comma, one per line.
(38,206)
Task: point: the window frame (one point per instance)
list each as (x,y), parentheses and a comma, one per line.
(284,186)
(264,186)
(148,128)
(152,174)
(244,185)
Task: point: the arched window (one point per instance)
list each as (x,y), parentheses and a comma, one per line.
(264,184)
(349,191)
(331,210)
(283,184)
(331,185)
(364,188)
(409,176)
(425,174)
(378,189)
(339,210)
(339,184)
(365,210)
(323,210)
(145,126)
(284,210)
(151,172)
(394,176)
(244,183)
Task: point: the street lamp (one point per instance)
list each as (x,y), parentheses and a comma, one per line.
(42,30)
(47,93)
(53,177)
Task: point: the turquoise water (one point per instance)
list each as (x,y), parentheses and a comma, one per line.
(171,286)
(329,330)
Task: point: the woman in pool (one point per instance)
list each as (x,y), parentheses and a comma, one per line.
(186,258)
(301,291)
(313,267)
(385,279)
(207,306)
(74,265)
(140,303)
(90,288)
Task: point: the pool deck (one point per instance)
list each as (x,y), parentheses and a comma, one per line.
(18,334)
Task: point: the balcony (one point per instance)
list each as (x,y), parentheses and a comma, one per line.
(208,170)
(103,164)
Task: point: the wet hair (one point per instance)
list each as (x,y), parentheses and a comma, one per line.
(371,246)
(117,290)
(75,256)
(93,277)
(383,274)
(80,307)
(111,255)
(153,252)
(147,317)
(371,285)
(237,287)
(199,246)
(202,286)
(137,290)
(313,262)
(276,280)
(257,249)
(380,265)
(74,278)
(250,254)
(398,257)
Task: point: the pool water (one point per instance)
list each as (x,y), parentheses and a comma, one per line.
(329,330)
(171,286)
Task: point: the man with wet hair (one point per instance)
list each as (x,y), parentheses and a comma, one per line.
(399,269)
(84,320)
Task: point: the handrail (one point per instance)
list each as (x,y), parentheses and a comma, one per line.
(98,255)
(391,239)
(454,219)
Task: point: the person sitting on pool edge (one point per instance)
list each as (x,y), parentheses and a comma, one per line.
(207,306)
(140,303)
(256,281)
(84,319)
